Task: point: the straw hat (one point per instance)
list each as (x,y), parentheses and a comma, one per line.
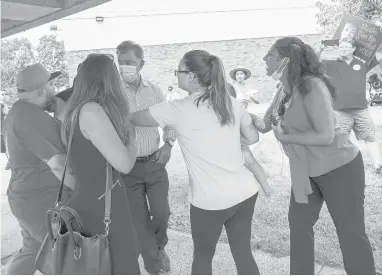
(240,68)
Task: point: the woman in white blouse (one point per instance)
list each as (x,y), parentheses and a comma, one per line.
(209,124)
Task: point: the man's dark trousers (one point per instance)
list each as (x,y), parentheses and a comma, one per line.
(148,181)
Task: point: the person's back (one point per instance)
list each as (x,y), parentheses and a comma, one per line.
(89,166)
(101,135)
(212,154)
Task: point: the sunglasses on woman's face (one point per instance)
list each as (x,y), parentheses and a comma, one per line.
(100,55)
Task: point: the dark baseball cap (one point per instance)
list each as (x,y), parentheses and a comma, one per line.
(33,77)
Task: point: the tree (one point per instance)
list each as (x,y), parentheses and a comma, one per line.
(51,54)
(331,12)
(16,54)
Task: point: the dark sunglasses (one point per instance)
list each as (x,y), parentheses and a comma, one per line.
(99,55)
(106,55)
(176,72)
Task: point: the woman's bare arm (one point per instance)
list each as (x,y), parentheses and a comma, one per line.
(97,127)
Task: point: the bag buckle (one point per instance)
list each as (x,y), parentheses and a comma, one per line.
(107,222)
(77,253)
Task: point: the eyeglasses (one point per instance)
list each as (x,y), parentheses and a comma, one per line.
(176,72)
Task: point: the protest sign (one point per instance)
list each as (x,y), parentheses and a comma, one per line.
(367,36)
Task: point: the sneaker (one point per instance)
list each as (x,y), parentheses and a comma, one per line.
(165,260)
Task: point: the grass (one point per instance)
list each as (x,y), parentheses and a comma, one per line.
(270,231)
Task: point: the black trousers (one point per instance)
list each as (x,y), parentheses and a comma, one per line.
(343,190)
(206,227)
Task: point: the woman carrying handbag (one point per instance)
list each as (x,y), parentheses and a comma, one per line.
(97,114)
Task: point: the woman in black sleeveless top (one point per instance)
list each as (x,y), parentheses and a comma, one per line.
(102,134)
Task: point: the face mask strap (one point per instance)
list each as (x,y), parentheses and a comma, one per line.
(278,73)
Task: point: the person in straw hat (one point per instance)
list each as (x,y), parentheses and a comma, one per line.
(239,75)
(240,91)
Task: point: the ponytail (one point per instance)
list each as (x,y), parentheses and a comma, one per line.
(217,89)
(219,94)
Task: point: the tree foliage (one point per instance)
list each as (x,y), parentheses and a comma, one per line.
(51,54)
(331,12)
(18,53)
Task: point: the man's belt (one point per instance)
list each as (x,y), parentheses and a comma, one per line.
(144,159)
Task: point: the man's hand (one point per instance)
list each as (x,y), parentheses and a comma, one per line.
(320,49)
(378,56)
(59,108)
(163,154)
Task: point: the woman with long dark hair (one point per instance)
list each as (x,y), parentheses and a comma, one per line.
(223,192)
(98,112)
(324,164)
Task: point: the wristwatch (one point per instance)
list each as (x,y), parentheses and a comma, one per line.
(170,142)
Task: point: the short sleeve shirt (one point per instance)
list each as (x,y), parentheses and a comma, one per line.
(350,81)
(32,137)
(212,153)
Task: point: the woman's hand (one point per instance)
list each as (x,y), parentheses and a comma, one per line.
(279,132)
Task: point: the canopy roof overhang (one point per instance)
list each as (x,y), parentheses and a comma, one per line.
(21,15)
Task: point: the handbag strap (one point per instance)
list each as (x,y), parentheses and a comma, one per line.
(109,177)
(59,196)
(109,187)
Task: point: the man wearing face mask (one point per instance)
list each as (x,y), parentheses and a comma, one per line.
(37,160)
(348,74)
(147,183)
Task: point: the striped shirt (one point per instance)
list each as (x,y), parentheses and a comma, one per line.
(147,95)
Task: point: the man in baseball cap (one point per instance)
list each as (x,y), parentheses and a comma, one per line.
(33,84)
(36,158)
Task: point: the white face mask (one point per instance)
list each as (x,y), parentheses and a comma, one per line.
(128,73)
(279,72)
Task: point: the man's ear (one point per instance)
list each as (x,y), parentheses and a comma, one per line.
(141,65)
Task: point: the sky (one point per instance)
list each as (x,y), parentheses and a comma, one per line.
(151,22)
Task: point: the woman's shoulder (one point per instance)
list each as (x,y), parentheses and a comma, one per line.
(92,111)
(91,108)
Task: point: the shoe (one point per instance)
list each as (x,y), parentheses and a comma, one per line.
(164,260)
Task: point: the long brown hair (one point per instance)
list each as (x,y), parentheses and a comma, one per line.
(210,73)
(98,81)
(304,62)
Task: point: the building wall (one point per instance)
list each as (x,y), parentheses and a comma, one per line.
(173,21)
(162,60)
